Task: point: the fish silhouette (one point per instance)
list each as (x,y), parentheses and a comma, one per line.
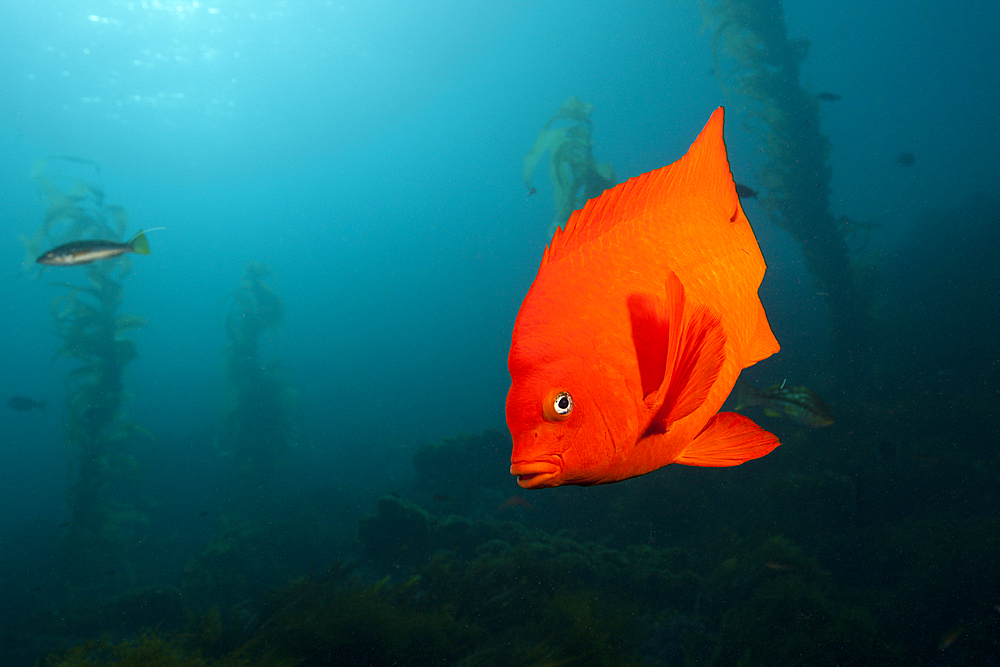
(23,403)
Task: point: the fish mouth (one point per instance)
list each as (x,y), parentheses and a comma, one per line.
(535,474)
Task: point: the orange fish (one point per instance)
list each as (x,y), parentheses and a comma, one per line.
(642,315)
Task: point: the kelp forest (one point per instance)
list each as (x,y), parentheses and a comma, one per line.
(869,537)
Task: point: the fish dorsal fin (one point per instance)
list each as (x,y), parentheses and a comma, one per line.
(704,171)
(679,349)
(728,439)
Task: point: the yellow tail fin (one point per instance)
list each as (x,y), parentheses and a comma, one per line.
(139,244)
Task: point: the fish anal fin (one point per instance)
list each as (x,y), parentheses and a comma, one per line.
(680,350)
(729,439)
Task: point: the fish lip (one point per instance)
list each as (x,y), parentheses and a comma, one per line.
(535,474)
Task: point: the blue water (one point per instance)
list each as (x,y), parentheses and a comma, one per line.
(371,155)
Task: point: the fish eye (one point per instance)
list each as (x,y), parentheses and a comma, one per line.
(557,406)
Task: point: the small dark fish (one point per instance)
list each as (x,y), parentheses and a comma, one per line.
(531,190)
(85,252)
(828,97)
(950,638)
(78,160)
(203,513)
(906,159)
(23,403)
(800,404)
(745,191)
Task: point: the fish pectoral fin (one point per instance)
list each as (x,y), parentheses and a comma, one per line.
(729,439)
(680,350)
(650,330)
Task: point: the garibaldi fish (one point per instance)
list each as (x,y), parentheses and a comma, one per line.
(642,315)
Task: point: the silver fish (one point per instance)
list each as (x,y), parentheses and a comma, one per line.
(85,252)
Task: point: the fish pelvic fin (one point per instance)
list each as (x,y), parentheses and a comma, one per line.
(728,439)
(139,244)
(680,350)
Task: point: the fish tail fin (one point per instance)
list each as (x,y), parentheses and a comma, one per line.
(139,244)
(729,439)
(746,395)
(749,396)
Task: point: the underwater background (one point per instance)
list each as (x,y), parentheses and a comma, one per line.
(279,439)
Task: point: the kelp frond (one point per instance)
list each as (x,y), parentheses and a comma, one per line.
(575,174)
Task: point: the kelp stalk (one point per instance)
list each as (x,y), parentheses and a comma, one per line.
(257,422)
(796,176)
(94,335)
